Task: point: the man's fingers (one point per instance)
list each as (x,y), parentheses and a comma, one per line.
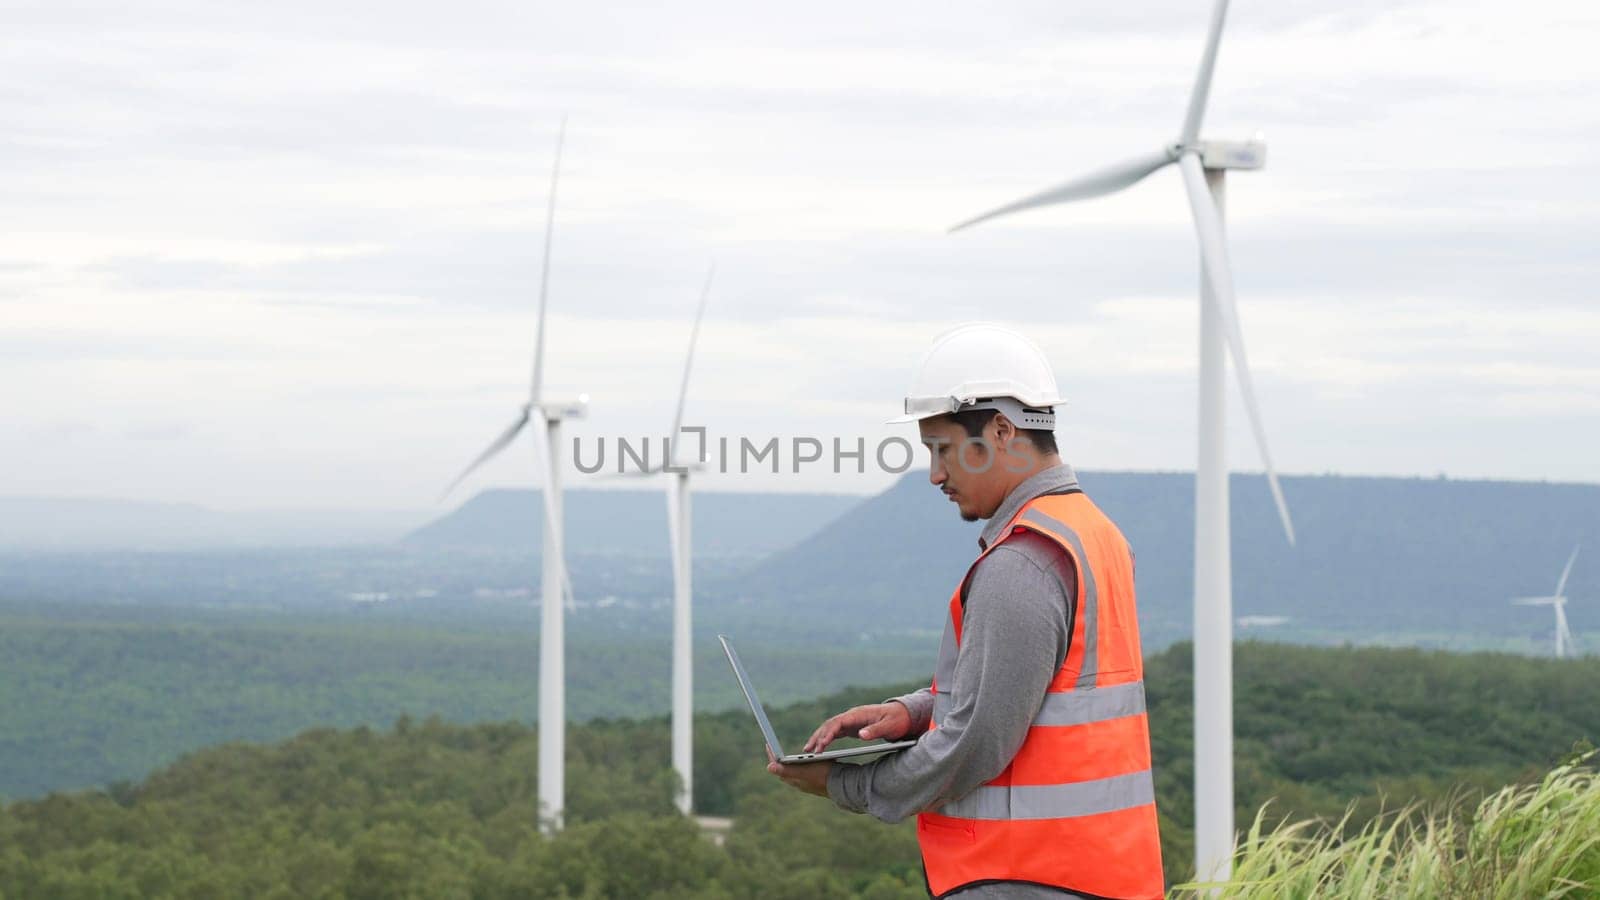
(825,733)
(784,774)
(862,721)
(820,737)
(851,723)
(823,737)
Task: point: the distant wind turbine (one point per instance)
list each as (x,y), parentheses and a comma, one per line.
(555,589)
(682,546)
(678,529)
(1564,641)
(1204,165)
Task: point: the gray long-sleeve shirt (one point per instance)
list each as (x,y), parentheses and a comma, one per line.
(1016,626)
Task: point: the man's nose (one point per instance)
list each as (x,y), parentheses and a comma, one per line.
(936,473)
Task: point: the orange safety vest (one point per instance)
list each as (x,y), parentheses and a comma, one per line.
(1075,809)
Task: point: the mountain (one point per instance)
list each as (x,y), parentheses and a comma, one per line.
(634,523)
(61,524)
(1376,554)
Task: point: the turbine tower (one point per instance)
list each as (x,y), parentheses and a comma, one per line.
(555,588)
(682,547)
(1564,642)
(1204,165)
(678,529)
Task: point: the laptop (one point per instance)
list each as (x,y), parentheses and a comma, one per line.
(772,738)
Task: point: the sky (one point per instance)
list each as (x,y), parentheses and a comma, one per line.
(287,255)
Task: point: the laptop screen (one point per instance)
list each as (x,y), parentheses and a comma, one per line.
(750,697)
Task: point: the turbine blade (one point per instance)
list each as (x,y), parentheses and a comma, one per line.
(1102,181)
(1202,79)
(500,443)
(548,492)
(1534,601)
(1561,586)
(544,268)
(1214,252)
(688,363)
(548,496)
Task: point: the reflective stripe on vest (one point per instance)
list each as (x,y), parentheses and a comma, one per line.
(1075,808)
(1090,606)
(1077,707)
(1055,801)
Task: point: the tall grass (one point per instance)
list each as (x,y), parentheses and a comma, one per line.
(1523,841)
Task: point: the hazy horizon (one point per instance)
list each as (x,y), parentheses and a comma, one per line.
(725,487)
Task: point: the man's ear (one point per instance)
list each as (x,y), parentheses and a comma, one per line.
(1004,430)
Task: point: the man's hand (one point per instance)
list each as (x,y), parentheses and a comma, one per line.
(879,720)
(810,778)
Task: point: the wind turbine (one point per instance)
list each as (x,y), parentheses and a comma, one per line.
(678,529)
(679,536)
(555,588)
(1204,165)
(1564,642)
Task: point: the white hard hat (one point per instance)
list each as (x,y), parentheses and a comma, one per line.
(981,365)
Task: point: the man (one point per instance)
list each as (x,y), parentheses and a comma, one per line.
(1031,774)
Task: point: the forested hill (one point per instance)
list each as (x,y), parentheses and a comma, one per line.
(634,523)
(1372,553)
(435,810)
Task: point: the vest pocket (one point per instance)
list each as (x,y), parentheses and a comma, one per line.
(945,829)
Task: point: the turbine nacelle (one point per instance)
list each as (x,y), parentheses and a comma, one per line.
(1220,155)
(565,406)
(1251,154)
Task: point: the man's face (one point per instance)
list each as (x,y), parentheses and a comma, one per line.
(963,467)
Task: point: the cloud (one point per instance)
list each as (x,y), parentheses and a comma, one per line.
(316,229)
(159,431)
